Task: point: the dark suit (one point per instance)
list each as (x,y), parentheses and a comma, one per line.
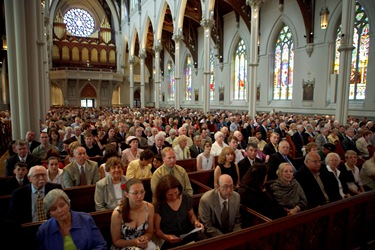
(300,140)
(310,186)
(244,165)
(264,132)
(281,133)
(12,184)
(20,205)
(269,149)
(349,144)
(33,145)
(122,140)
(31,161)
(154,149)
(194,151)
(273,164)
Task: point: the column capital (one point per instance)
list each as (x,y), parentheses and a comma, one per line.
(255,3)
(131,60)
(157,48)
(142,54)
(207,23)
(178,38)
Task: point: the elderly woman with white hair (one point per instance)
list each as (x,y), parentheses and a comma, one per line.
(332,163)
(67,229)
(172,136)
(219,144)
(182,150)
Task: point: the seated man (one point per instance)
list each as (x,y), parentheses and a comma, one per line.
(277,158)
(21,156)
(271,147)
(27,202)
(319,185)
(367,174)
(81,171)
(251,158)
(17,181)
(219,208)
(92,149)
(325,150)
(169,167)
(41,150)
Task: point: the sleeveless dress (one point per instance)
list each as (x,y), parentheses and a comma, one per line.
(230,171)
(129,233)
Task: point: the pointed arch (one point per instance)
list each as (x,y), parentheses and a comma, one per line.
(240,71)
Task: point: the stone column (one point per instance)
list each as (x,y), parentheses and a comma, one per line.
(253,57)
(157,49)
(346,48)
(27,78)
(131,80)
(177,39)
(142,56)
(207,24)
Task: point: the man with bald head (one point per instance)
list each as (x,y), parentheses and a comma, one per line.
(219,208)
(23,207)
(319,185)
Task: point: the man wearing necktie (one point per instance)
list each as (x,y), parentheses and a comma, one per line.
(81,171)
(277,158)
(219,208)
(195,149)
(16,181)
(24,206)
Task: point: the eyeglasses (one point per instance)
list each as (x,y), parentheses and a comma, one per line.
(39,175)
(226,187)
(314,161)
(142,192)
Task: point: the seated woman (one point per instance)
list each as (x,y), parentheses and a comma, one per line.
(51,152)
(132,153)
(132,222)
(254,195)
(205,160)
(287,191)
(141,168)
(174,213)
(108,193)
(182,150)
(350,173)
(54,173)
(227,166)
(332,163)
(67,229)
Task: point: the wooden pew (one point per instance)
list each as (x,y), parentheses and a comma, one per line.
(82,198)
(190,165)
(4,205)
(345,224)
(205,177)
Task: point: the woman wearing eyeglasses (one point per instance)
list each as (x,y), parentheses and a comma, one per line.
(108,191)
(132,222)
(174,215)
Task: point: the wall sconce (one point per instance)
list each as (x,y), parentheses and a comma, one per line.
(5,44)
(324,12)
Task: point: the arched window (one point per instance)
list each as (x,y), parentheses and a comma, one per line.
(79,22)
(170,67)
(361,43)
(240,71)
(188,78)
(283,71)
(212,75)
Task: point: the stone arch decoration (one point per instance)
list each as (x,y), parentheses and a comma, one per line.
(88,92)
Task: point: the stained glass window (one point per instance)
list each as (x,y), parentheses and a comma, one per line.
(284,65)
(240,71)
(361,43)
(171,81)
(212,75)
(79,22)
(188,78)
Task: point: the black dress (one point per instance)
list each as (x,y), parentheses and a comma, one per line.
(232,171)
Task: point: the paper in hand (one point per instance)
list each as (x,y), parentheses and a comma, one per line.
(191,232)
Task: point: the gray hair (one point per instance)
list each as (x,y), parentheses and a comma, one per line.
(52,196)
(332,155)
(32,169)
(217,134)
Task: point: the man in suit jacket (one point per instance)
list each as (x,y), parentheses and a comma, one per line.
(281,130)
(72,172)
(196,148)
(211,207)
(30,138)
(309,175)
(23,205)
(159,144)
(263,129)
(322,139)
(251,158)
(349,143)
(21,156)
(300,139)
(19,180)
(277,158)
(271,147)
